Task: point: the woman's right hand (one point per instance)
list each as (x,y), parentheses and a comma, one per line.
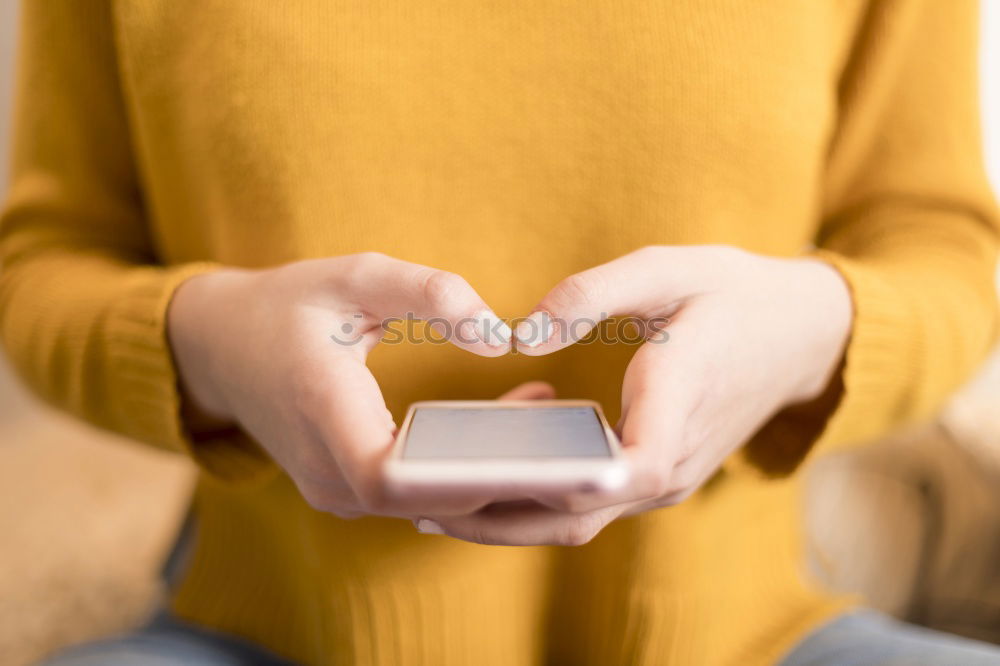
(281,352)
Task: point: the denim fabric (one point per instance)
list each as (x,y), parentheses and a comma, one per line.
(868,638)
(166,641)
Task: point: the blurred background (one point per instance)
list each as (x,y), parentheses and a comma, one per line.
(85,518)
(912,522)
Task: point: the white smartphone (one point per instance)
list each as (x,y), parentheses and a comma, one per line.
(510,447)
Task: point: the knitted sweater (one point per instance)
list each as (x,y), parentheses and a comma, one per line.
(513,143)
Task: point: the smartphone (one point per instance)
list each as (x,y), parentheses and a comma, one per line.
(511,447)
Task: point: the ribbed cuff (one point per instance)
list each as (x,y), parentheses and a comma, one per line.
(863,399)
(142,372)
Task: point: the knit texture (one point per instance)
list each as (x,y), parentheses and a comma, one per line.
(513,143)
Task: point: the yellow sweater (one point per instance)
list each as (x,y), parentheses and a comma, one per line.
(512,142)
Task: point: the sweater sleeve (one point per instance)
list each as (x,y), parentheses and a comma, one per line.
(83,296)
(910,223)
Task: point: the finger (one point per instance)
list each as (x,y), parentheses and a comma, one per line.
(654,410)
(648,283)
(585,501)
(685,479)
(658,396)
(522,525)
(344,403)
(530,391)
(659,392)
(386,288)
(350,416)
(328,493)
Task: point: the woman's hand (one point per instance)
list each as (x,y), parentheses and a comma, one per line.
(281,352)
(747,336)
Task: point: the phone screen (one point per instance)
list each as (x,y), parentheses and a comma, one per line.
(516,432)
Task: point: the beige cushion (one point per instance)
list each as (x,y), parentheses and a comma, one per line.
(913,522)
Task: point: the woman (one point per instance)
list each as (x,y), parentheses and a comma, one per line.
(205,192)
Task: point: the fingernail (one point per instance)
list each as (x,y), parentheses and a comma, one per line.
(440,330)
(425,526)
(491,329)
(467,333)
(535,329)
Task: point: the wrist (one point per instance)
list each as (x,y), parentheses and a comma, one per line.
(195,324)
(828,312)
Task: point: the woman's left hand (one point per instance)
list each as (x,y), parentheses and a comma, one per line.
(747,336)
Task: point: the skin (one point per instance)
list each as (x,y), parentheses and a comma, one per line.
(748,336)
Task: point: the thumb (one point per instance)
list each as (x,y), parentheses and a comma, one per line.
(390,288)
(646,283)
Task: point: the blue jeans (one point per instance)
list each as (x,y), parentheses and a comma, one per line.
(167,641)
(868,638)
(863,638)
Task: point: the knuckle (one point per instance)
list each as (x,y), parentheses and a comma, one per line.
(440,287)
(668,501)
(585,287)
(316,464)
(676,497)
(482,537)
(580,532)
(318,499)
(683,483)
(369,258)
(649,251)
(688,447)
(357,267)
(654,483)
(373,499)
(356,270)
